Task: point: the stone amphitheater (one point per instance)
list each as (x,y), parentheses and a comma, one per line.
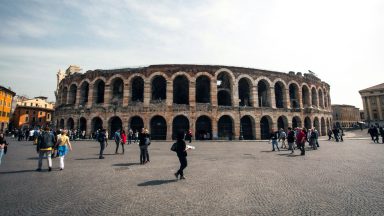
(215,102)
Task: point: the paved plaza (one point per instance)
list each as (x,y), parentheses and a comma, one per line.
(223,178)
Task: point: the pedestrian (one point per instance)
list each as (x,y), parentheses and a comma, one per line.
(143,144)
(336,133)
(117,138)
(291,140)
(341,134)
(130,136)
(372,133)
(62,147)
(301,139)
(376,133)
(381,130)
(45,144)
(189,136)
(312,139)
(102,139)
(181,150)
(274,142)
(282,137)
(3,145)
(136,136)
(123,139)
(317,137)
(329,134)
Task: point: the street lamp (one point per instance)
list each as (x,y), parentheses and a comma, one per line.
(241,128)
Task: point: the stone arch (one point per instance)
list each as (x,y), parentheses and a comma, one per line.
(203,89)
(203,128)
(84,92)
(64,95)
(305,95)
(282,122)
(323,130)
(113,78)
(307,123)
(179,123)
(114,123)
(99,91)
(96,124)
(72,94)
(263,90)
(227,71)
(248,127)
(245,86)
(137,89)
(296,122)
(225,88)
(294,95)
(266,126)
(158,128)
(136,123)
(70,124)
(280,94)
(314,97)
(158,88)
(181,73)
(181,89)
(116,89)
(83,124)
(225,127)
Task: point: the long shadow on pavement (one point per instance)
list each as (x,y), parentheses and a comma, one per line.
(17,171)
(126,164)
(87,159)
(156,182)
(290,155)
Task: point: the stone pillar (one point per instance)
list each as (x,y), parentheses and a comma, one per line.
(214,94)
(369,109)
(300,99)
(90,97)
(147,92)
(255,98)
(287,99)
(89,129)
(107,95)
(257,127)
(192,94)
(272,97)
(235,95)
(126,94)
(310,100)
(78,94)
(237,123)
(214,127)
(380,112)
(169,94)
(169,130)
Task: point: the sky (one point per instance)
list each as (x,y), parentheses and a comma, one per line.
(339,40)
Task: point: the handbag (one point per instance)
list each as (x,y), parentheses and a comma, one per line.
(174,147)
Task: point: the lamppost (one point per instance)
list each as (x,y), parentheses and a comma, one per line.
(241,128)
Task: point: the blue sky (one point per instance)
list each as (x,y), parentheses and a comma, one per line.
(341,41)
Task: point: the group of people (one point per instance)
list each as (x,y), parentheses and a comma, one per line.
(337,133)
(296,138)
(375,131)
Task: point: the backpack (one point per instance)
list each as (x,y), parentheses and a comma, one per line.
(100,137)
(291,136)
(174,147)
(46,140)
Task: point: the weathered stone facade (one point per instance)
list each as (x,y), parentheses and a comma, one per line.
(215,102)
(373,102)
(345,116)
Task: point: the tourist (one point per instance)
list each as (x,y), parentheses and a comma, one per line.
(291,139)
(329,134)
(3,145)
(143,144)
(123,139)
(371,132)
(181,150)
(301,139)
(188,136)
(336,133)
(62,147)
(317,137)
(102,139)
(381,130)
(117,138)
(130,136)
(341,134)
(136,136)
(282,137)
(312,139)
(45,143)
(274,142)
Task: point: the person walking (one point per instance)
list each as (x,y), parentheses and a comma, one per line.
(291,139)
(381,130)
(274,142)
(45,143)
(341,134)
(130,136)
(189,136)
(329,134)
(102,139)
(143,144)
(301,139)
(117,138)
(62,147)
(3,145)
(136,136)
(282,137)
(123,139)
(181,150)
(372,133)
(312,139)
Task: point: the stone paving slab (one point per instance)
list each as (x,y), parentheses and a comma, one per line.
(223,178)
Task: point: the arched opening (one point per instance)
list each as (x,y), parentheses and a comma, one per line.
(265,127)
(70,124)
(305,95)
(224,98)
(321,99)
(203,89)
(245,92)
(248,127)
(137,93)
(225,127)
(62,126)
(224,89)
(323,129)
(262,89)
(117,91)
(279,95)
(180,123)
(115,124)
(328,124)
(296,122)
(83,124)
(64,96)
(136,124)
(294,96)
(99,91)
(316,123)
(203,128)
(307,123)
(84,91)
(97,124)
(159,89)
(158,128)
(314,98)
(282,123)
(325,100)
(72,94)
(181,90)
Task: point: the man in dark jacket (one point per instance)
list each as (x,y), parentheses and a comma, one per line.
(102,139)
(45,143)
(181,151)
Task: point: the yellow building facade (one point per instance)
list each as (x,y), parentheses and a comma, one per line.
(6,97)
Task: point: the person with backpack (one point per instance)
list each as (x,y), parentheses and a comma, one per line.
(312,139)
(117,138)
(45,144)
(181,150)
(62,147)
(282,137)
(102,139)
(3,145)
(291,139)
(301,139)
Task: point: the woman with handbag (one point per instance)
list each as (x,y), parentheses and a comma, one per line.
(3,145)
(181,150)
